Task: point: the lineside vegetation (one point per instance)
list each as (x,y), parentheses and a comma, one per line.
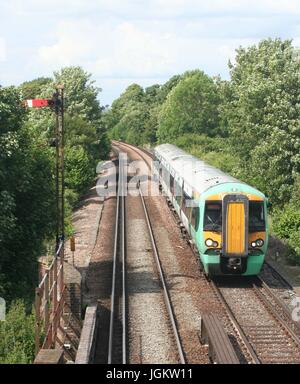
(27,190)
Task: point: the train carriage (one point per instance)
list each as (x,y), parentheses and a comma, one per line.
(226,218)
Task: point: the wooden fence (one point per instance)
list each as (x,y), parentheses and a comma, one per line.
(49,303)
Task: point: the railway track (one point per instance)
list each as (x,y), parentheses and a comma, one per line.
(118,349)
(262,324)
(279,286)
(164,285)
(269,335)
(276,297)
(117,342)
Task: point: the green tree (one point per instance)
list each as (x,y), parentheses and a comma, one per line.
(17,335)
(79,172)
(81,95)
(263,113)
(26,195)
(34,88)
(191,107)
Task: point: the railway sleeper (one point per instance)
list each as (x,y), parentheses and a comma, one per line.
(220,348)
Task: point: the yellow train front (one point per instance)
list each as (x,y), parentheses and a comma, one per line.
(226,219)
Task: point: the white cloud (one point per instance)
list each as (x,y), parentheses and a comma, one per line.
(246,7)
(74,41)
(122,41)
(155,8)
(3,56)
(120,50)
(136,50)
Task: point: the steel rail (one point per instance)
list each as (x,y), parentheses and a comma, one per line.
(119,215)
(136,150)
(113,288)
(277,273)
(119,249)
(123,257)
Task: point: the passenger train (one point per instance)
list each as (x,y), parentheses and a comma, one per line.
(226,218)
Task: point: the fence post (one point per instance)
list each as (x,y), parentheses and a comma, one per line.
(54,297)
(37,320)
(55,283)
(46,297)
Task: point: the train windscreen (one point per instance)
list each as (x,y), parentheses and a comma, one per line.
(213,216)
(256,216)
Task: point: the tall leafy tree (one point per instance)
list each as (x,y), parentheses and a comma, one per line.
(80,92)
(34,88)
(26,196)
(191,107)
(263,114)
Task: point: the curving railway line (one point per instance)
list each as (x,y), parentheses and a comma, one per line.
(124,308)
(256,313)
(117,342)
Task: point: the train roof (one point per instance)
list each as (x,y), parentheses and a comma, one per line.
(198,174)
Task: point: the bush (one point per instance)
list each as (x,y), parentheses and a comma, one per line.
(80,169)
(294,243)
(286,221)
(286,225)
(215,151)
(17,335)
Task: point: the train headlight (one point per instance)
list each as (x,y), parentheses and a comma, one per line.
(257,243)
(209,242)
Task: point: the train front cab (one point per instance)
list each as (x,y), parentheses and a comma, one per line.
(234,234)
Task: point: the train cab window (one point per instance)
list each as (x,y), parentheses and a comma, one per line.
(195,218)
(256,216)
(213,216)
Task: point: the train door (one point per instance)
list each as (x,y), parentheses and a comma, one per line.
(235,233)
(178,182)
(186,206)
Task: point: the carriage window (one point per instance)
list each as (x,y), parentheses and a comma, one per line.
(256,216)
(186,205)
(213,216)
(195,218)
(165,175)
(172,184)
(177,193)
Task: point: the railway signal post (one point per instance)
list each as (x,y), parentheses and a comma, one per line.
(50,292)
(58,100)
(57,105)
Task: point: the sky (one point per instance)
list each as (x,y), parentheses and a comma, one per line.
(129,41)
